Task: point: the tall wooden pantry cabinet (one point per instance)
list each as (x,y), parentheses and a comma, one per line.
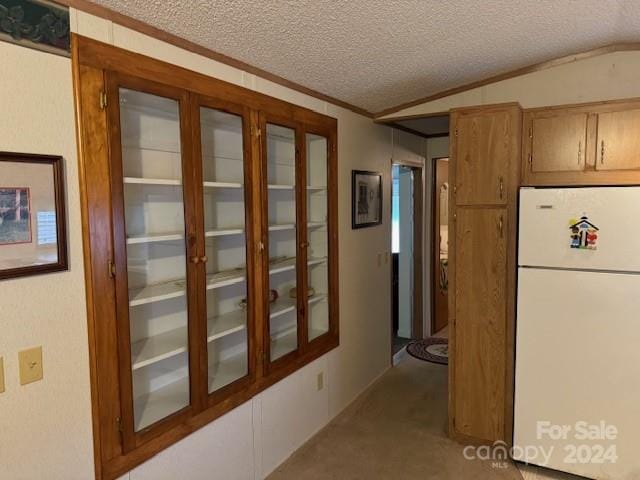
(210,225)
(484,173)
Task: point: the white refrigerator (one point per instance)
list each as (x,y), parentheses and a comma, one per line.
(577,386)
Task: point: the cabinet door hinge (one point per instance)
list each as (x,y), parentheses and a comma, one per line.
(103,100)
(111,267)
(119,424)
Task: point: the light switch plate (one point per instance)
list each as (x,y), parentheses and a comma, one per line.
(30,363)
(320,381)
(1,375)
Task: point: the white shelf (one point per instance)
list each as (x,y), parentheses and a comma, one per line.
(161,403)
(222,185)
(274,186)
(165,345)
(281,306)
(225,278)
(226,324)
(157,293)
(224,232)
(152,181)
(227,371)
(290,264)
(281,226)
(318,297)
(316,224)
(313,188)
(159,347)
(284,343)
(154,237)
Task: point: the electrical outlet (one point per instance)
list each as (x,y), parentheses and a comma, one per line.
(1,375)
(30,363)
(320,381)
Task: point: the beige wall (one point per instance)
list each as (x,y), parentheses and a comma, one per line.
(605,77)
(45,428)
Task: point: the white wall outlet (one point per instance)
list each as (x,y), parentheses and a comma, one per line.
(320,381)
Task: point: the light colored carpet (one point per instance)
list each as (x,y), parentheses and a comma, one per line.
(396,430)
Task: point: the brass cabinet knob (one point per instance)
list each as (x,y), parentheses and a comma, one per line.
(194,259)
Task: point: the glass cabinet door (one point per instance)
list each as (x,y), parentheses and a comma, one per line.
(156,265)
(282,239)
(227,302)
(317,235)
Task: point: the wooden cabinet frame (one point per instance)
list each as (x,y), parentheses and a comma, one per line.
(99,70)
(590,174)
(504,338)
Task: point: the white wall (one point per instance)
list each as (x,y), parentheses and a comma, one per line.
(605,77)
(45,427)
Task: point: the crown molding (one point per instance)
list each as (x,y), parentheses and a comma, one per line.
(146,29)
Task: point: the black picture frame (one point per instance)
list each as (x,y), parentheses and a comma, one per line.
(366,202)
(61,262)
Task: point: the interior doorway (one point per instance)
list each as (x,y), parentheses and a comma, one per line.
(406,248)
(440,242)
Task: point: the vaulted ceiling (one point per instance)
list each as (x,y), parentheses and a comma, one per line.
(377,54)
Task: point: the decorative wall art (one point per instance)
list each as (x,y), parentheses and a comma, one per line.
(32,215)
(366,199)
(35,24)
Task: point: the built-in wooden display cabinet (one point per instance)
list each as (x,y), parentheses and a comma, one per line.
(210,232)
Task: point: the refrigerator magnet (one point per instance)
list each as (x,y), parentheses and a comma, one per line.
(584,234)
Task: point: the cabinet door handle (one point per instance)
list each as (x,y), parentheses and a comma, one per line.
(204,259)
(501,188)
(194,259)
(579,151)
(304,244)
(260,247)
(602,152)
(501,226)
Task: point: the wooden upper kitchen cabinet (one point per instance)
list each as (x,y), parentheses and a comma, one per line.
(588,144)
(485,167)
(558,142)
(485,149)
(618,140)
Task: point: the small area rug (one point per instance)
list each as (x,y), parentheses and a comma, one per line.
(432,349)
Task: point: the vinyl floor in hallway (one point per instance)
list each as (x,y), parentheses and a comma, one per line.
(396,430)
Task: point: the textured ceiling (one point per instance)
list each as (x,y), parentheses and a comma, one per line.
(377,54)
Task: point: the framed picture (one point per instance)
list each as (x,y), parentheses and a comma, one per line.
(32,215)
(366,199)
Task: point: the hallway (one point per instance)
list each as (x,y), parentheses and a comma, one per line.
(396,430)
